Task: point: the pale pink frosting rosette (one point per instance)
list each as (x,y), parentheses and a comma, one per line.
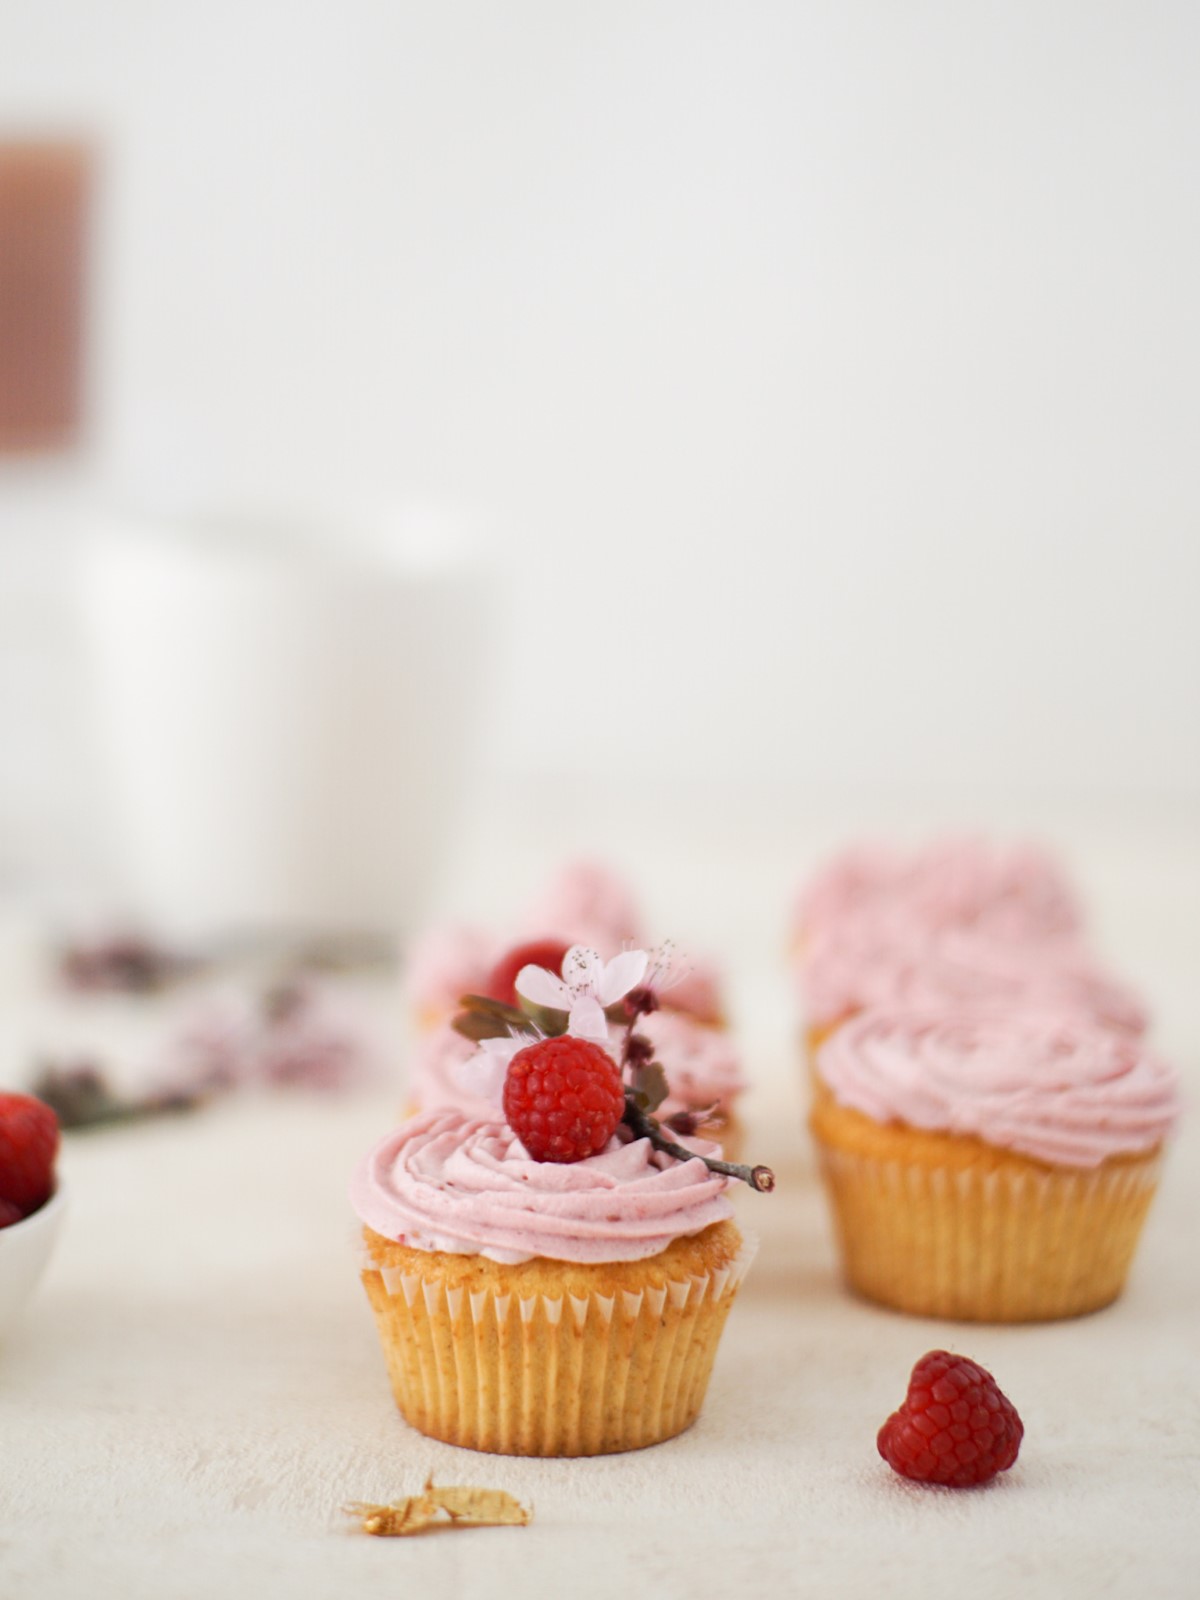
(1058,1088)
(702,1065)
(1015,892)
(446,963)
(587,903)
(583,903)
(446,1182)
(438,1074)
(697,991)
(876,963)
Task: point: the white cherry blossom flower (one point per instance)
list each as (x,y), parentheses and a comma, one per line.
(588,985)
(666,965)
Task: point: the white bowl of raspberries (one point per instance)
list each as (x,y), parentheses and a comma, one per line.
(31,1198)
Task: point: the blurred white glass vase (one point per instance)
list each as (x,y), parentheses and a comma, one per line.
(284,721)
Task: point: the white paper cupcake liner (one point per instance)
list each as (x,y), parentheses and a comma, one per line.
(552,1374)
(1004,1244)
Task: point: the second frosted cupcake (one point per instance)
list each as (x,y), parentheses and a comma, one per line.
(989,1167)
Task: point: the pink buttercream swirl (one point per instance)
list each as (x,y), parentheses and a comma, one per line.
(702,1065)
(1015,892)
(446,963)
(585,902)
(437,1075)
(875,963)
(1058,1088)
(696,991)
(443,1181)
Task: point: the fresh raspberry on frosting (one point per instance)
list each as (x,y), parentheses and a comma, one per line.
(563,1098)
(955,1427)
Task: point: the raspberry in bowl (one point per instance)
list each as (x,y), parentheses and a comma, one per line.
(31,1199)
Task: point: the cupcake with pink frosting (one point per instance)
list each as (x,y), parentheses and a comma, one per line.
(551,1277)
(991,1166)
(584,903)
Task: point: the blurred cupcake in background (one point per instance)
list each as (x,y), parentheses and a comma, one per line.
(1015,892)
(437,1075)
(958,923)
(442,965)
(584,903)
(870,964)
(705,1079)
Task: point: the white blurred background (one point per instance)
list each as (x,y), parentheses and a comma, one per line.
(815,385)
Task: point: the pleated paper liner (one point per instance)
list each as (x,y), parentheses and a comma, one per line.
(502,1359)
(980,1234)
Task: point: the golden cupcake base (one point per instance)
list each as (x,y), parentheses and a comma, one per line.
(549,1358)
(941,1225)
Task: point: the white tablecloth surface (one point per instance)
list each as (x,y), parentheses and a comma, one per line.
(196,1390)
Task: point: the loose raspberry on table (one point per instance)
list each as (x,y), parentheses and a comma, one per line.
(563,1098)
(502,980)
(10,1213)
(28,1145)
(955,1426)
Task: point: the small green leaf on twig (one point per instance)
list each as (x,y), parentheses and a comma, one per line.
(546,1019)
(649,1086)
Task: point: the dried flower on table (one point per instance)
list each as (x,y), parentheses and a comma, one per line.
(82,1097)
(126,963)
(445,1507)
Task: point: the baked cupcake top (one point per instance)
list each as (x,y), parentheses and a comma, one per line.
(1015,891)
(1056,1087)
(880,963)
(446,1181)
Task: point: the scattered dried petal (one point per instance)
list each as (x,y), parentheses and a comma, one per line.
(445,1507)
